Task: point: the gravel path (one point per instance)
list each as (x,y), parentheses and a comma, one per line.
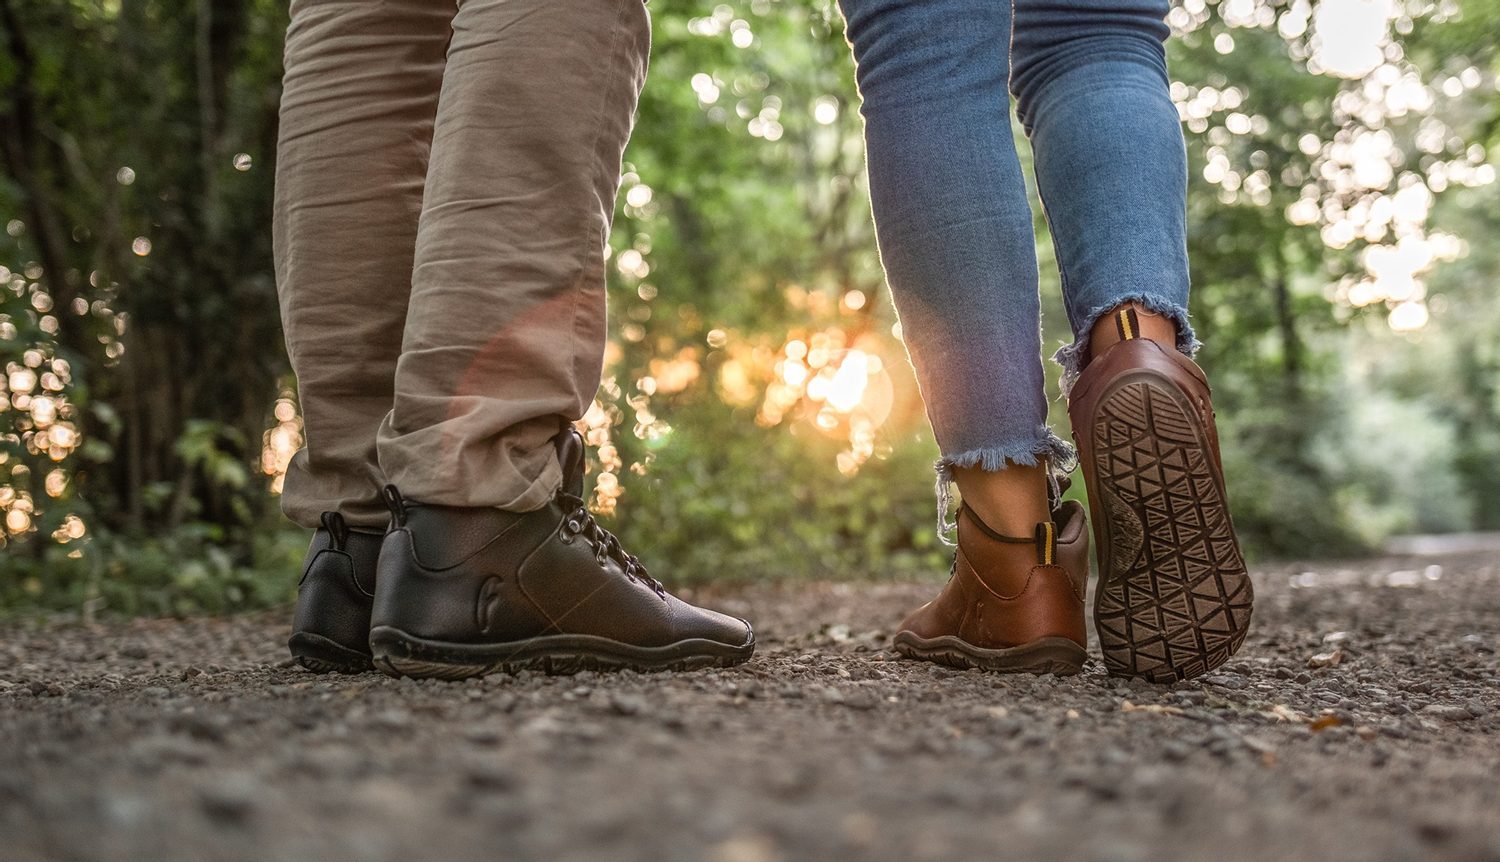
(1361,721)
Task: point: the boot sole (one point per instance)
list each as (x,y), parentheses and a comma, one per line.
(1056,655)
(322,655)
(400,654)
(1174,597)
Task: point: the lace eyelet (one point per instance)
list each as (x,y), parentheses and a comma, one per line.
(606,547)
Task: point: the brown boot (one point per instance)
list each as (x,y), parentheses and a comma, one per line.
(1173,600)
(1013,605)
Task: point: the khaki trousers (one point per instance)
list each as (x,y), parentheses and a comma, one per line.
(445,182)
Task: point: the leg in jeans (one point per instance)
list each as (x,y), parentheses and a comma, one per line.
(504,337)
(955,233)
(1090,78)
(357,108)
(1090,81)
(955,229)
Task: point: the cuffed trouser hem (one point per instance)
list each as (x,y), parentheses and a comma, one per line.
(352,490)
(1043,446)
(514,495)
(441,465)
(1075,356)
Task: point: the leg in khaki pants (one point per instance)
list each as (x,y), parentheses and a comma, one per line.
(357,107)
(445,183)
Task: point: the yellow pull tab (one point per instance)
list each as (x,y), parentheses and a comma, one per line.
(1046,543)
(1128,324)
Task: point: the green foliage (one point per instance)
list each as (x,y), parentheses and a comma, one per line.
(772,506)
(191,570)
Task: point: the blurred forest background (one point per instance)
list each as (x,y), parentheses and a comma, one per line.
(758,419)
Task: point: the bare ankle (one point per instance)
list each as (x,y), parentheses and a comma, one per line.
(1011,501)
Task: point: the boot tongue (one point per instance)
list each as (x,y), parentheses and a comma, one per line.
(570,455)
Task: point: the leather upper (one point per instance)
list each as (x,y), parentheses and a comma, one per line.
(465,575)
(1004,594)
(337,585)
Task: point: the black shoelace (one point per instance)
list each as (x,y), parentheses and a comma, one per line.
(606,547)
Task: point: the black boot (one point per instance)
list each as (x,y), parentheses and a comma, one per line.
(464,592)
(331,629)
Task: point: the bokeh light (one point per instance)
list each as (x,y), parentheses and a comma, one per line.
(1360,188)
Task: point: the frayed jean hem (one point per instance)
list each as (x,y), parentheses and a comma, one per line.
(1074,356)
(1045,445)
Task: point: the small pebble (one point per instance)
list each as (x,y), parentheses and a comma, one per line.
(1326,659)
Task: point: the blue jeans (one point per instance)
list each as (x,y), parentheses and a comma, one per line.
(951,214)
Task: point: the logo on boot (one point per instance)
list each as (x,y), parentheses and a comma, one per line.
(487,609)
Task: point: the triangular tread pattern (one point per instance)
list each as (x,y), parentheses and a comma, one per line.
(1174,598)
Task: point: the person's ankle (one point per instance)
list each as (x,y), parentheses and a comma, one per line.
(1151,326)
(1010,501)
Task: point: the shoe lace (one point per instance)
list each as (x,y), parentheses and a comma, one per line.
(606,547)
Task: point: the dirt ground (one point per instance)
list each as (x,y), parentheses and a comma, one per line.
(1360,721)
